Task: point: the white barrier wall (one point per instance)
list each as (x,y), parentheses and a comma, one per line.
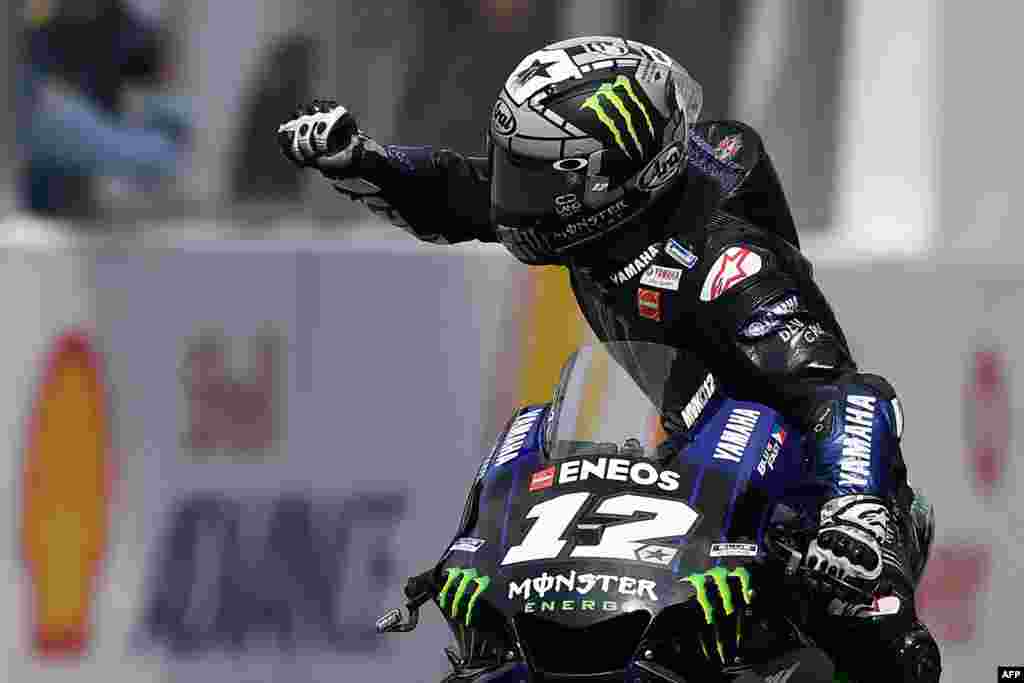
(293,425)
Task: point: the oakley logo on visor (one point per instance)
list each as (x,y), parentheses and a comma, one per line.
(573,164)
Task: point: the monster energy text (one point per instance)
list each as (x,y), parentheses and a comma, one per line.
(581,584)
(616,97)
(464,578)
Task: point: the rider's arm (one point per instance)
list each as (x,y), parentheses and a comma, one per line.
(438,196)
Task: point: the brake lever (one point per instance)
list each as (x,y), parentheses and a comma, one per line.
(418,590)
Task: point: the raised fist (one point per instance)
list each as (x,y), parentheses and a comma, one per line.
(321,135)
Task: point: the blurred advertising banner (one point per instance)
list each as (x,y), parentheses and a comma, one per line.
(295,432)
(308,425)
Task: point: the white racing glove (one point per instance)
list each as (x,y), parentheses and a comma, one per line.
(849,542)
(321,135)
(324,135)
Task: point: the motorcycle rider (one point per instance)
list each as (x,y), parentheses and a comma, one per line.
(677,232)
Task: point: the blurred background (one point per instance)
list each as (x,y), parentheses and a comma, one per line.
(205,466)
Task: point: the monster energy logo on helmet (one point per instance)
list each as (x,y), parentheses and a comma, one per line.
(619,98)
(466,578)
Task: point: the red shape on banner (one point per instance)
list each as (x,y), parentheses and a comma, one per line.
(987,423)
(947,595)
(65,496)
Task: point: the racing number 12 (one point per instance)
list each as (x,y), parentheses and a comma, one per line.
(622,541)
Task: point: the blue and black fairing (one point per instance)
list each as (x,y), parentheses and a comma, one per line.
(732,469)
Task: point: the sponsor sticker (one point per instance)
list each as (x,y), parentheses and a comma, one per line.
(771,318)
(581,584)
(733,550)
(463,582)
(622,470)
(733,266)
(768,456)
(636,266)
(608,48)
(779,434)
(736,434)
(649,303)
(858,430)
(567,205)
(544,479)
(662,277)
(590,224)
(728,147)
(503,121)
(695,407)
(681,254)
(618,107)
(516,436)
(467,544)
(662,169)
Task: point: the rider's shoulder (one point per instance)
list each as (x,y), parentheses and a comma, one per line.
(729,142)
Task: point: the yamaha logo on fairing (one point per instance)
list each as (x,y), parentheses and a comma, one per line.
(662,169)
(502,119)
(736,435)
(516,436)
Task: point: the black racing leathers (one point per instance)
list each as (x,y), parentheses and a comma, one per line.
(715,270)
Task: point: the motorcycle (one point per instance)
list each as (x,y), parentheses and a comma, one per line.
(597,546)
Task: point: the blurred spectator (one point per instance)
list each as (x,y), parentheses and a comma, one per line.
(285,77)
(79,57)
(469,48)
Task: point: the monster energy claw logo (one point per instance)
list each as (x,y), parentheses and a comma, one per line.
(720,576)
(608,99)
(466,578)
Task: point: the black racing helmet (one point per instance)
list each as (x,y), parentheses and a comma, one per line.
(586,134)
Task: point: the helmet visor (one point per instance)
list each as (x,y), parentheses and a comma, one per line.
(526,191)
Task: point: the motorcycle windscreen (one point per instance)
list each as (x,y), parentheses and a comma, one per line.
(616,392)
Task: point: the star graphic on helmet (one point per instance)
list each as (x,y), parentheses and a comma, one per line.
(538,68)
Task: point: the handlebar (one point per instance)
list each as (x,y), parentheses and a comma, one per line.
(418,591)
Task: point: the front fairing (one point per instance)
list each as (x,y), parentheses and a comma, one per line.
(589,537)
(588,519)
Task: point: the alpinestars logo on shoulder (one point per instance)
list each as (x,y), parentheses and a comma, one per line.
(618,99)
